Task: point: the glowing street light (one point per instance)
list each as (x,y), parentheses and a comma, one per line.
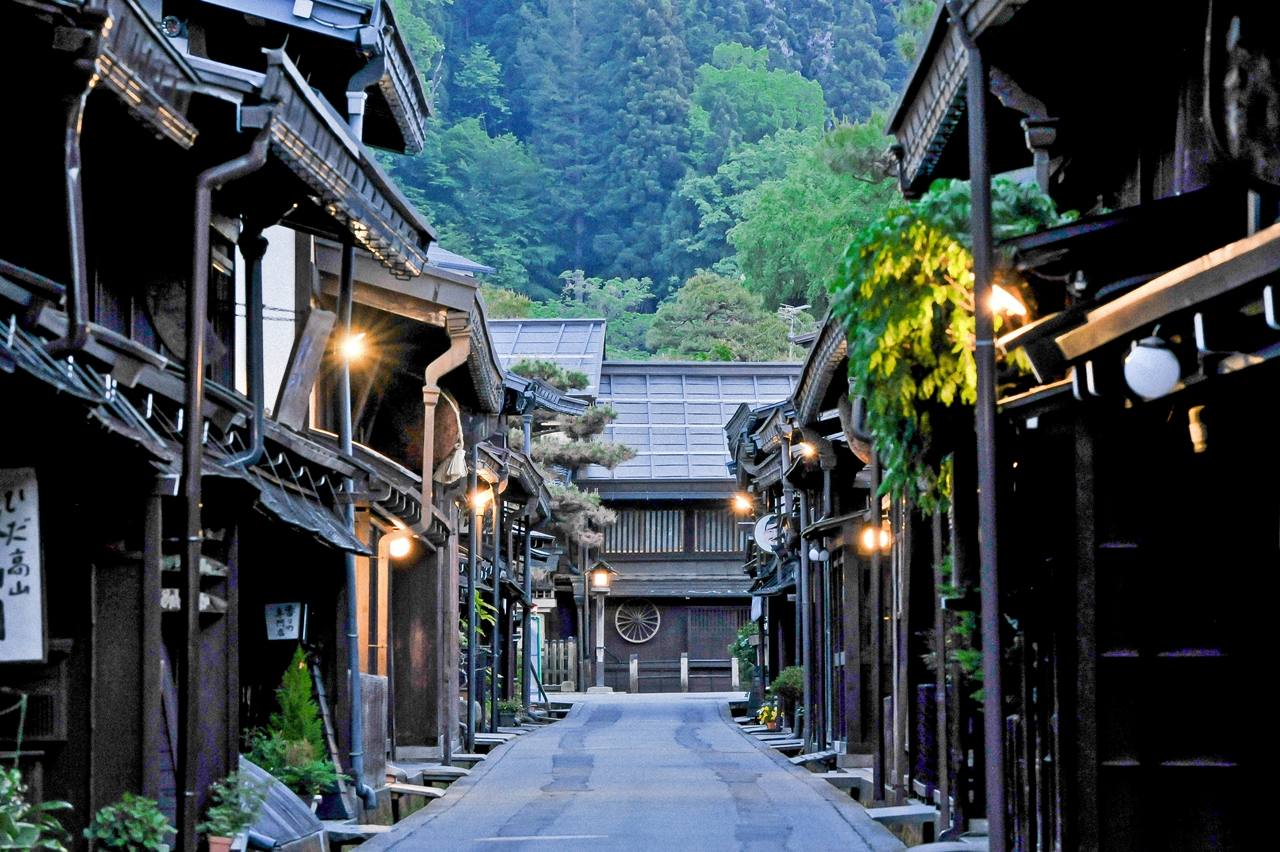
(872,538)
(399,547)
(353,347)
(743,504)
(480,498)
(1004,302)
(806,449)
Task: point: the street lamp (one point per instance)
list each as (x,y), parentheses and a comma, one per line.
(743,504)
(353,346)
(399,547)
(599,579)
(873,538)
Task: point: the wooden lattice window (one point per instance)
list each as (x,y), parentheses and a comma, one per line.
(646,531)
(716,531)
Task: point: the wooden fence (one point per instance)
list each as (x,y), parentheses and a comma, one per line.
(559,662)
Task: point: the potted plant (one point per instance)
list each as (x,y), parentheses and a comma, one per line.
(135,824)
(509,710)
(768,717)
(234,805)
(24,826)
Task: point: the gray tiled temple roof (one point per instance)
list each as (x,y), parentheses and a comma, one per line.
(574,344)
(673,413)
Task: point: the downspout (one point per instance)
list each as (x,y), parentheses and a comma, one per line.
(346,288)
(253,246)
(455,356)
(526,646)
(828,650)
(876,594)
(473,546)
(806,626)
(357,94)
(985,415)
(77,300)
(192,448)
(495,643)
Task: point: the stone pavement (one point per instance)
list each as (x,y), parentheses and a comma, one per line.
(639,772)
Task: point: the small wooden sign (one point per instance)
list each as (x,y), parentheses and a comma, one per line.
(284,620)
(22,637)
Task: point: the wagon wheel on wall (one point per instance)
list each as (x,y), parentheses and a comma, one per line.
(637,621)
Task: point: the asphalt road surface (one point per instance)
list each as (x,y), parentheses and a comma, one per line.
(658,773)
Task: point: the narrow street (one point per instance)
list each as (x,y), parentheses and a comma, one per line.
(642,772)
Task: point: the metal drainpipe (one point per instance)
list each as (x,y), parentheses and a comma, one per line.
(346,289)
(253,246)
(192,448)
(473,547)
(940,681)
(495,646)
(877,639)
(77,300)
(985,415)
(526,647)
(806,626)
(828,663)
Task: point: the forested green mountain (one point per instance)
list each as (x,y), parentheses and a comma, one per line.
(654,139)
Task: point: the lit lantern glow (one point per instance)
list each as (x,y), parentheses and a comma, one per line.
(1002,301)
(353,347)
(399,547)
(480,498)
(742,504)
(806,450)
(872,538)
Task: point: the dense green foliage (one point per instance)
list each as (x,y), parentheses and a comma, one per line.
(297,765)
(24,826)
(235,802)
(742,648)
(299,716)
(788,684)
(621,137)
(905,293)
(716,319)
(135,823)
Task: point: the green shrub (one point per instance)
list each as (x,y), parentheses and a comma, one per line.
(299,716)
(297,765)
(24,826)
(236,802)
(789,684)
(745,651)
(134,823)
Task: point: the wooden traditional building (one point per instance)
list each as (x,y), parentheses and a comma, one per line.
(1125,720)
(170,532)
(677,541)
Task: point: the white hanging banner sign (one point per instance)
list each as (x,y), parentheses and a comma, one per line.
(283,620)
(21,582)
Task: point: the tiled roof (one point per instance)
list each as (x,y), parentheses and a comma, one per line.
(674,413)
(574,344)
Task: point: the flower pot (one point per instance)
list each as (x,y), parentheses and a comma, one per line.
(219,844)
(506,720)
(774,725)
